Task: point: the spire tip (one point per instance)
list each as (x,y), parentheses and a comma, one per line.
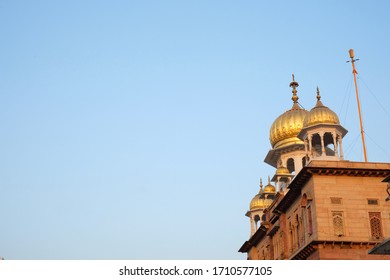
(294,85)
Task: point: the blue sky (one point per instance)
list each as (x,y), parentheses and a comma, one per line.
(138,129)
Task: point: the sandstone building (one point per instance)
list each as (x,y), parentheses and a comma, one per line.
(317,205)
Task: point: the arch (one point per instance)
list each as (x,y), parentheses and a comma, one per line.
(256,220)
(316,145)
(291,165)
(338,223)
(375,225)
(329,144)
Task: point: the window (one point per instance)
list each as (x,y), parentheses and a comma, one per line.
(291,165)
(256,222)
(375,225)
(372,201)
(335,200)
(338,223)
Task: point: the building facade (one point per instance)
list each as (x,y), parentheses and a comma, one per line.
(320,205)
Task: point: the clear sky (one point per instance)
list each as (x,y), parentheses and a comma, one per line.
(138,129)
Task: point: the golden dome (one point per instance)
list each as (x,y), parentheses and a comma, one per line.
(320,114)
(267,202)
(282,171)
(264,198)
(257,203)
(270,189)
(286,127)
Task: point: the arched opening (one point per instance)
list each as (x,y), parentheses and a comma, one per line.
(329,144)
(316,145)
(257,221)
(291,165)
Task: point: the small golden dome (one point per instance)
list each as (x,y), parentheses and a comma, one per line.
(264,198)
(320,114)
(286,127)
(269,189)
(282,171)
(257,203)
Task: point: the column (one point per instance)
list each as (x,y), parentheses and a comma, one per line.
(335,144)
(306,153)
(323,153)
(341,147)
(297,164)
(252,226)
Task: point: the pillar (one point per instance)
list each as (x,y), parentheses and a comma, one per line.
(323,153)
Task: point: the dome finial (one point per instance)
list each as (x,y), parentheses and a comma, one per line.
(319,103)
(261,186)
(318,94)
(294,85)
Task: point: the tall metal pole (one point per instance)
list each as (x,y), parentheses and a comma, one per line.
(351,55)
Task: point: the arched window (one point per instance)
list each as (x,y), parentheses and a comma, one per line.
(329,144)
(316,145)
(257,219)
(291,165)
(375,225)
(338,223)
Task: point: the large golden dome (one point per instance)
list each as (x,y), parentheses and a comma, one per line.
(320,114)
(286,127)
